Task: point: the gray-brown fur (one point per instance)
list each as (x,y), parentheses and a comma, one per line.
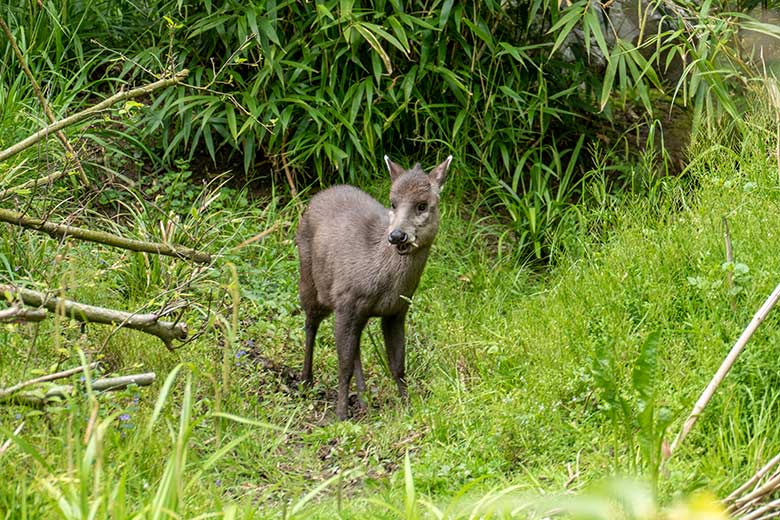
(361,260)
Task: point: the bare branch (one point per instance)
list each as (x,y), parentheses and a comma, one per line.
(39,398)
(259,236)
(79,116)
(101,237)
(109,384)
(49,377)
(726,366)
(42,100)
(16,313)
(149,323)
(40,181)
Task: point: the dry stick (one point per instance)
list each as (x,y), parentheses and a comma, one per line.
(49,377)
(75,118)
(149,323)
(108,384)
(7,443)
(726,366)
(758,513)
(258,236)
(101,237)
(57,393)
(754,479)
(15,314)
(769,487)
(288,173)
(34,183)
(730,260)
(42,100)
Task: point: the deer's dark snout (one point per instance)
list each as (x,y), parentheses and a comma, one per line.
(397,236)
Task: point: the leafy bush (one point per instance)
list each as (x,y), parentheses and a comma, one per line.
(519,93)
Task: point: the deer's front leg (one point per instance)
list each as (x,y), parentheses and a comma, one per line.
(393,331)
(348,330)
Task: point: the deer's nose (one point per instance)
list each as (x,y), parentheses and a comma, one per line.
(397,237)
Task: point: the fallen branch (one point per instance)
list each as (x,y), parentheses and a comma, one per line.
(42,100)
(101,237)
(725,367)
(57,393)
(79,116)
(5,392)
(150,323)
(34,183)
(16,313)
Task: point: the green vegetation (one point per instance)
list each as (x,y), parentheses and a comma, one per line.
(527,98)
(513,378)
(533,385)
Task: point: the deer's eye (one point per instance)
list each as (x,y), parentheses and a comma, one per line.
(392,205)
(422,206)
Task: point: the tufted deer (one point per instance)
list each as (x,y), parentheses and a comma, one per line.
(360,259)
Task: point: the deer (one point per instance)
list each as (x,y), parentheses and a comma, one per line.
(360,260)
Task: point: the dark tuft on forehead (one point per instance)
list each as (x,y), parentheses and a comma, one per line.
(414,181)
(417,168)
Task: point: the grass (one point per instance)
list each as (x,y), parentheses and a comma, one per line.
(521,385)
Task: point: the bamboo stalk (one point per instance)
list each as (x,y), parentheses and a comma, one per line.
(101,237)
(758,318)
(150,323)
(79,116)
(42,100)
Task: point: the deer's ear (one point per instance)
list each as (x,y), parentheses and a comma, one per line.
(439,174)
(394,169)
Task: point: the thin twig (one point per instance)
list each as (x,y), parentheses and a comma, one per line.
(770,486)
(730,260)
(766,508)
(149,323)
(287,172)
(726,366)
(49,377)
(7,443)
(754,479)
(79,116)
(42,100)
(34,183)
(257,237)
(101,237)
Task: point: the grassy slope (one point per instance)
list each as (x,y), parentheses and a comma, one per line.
(499,366)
